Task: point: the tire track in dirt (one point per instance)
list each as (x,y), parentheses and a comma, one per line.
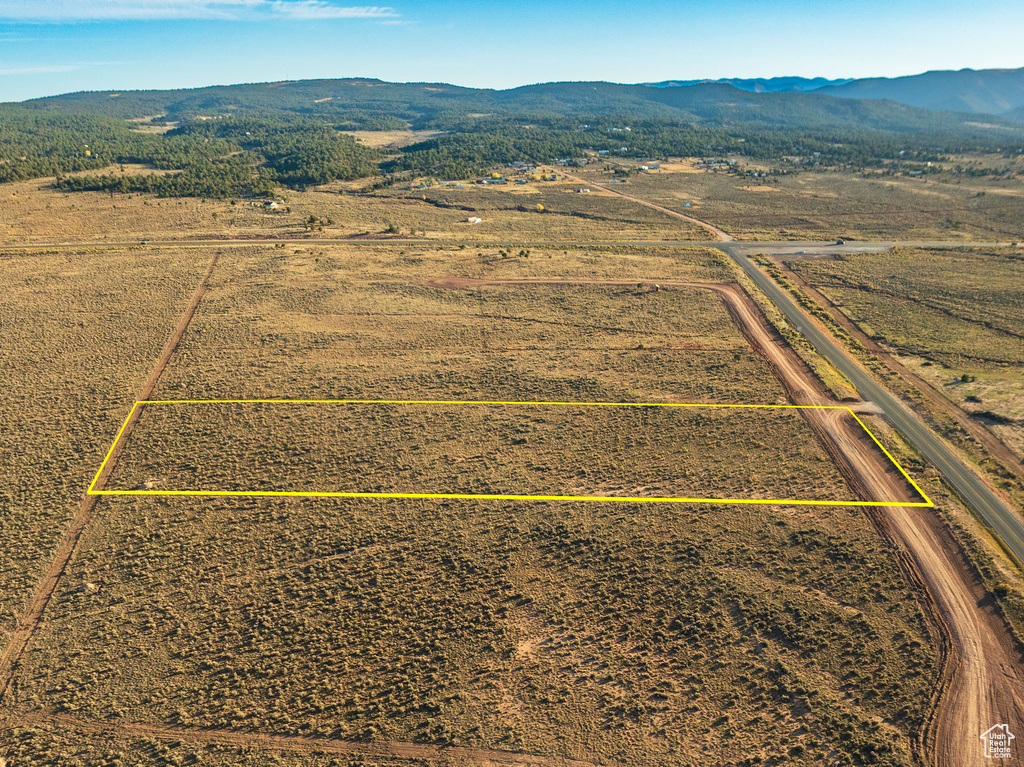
(718,233)
(485,757)
(21,637)
(981,677)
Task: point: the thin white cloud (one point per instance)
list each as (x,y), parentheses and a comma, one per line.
(48,69)
(111,10)
(320,9)
(40,70)
(56,11)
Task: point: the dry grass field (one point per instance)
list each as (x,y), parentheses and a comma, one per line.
(823,206)
(637,634)
(33,212)
(954,317)
(80,333)
(365,323)
(388,139)
(653,452)
(591,632)
(511,213)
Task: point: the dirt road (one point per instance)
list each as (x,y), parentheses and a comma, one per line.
(21,637)
(718,233)
(485,757)
(789,249)
(982,676)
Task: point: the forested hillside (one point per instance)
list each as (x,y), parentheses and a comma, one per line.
(216,158)
(377,105)
(248,140)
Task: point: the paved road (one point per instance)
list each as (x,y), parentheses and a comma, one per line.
(990,507)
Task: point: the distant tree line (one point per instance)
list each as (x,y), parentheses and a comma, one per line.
(219,158)
(251,154)
(458,155)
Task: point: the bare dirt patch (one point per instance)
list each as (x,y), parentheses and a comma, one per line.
(391,138)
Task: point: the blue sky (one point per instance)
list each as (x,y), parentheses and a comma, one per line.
(55,46)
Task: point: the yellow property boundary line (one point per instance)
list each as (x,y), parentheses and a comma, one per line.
(499,497)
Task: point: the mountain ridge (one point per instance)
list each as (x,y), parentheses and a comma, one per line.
(371,104)
(976,91)
(985,91)
(787,84)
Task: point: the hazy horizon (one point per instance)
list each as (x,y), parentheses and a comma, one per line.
(462,85)
(49,47)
